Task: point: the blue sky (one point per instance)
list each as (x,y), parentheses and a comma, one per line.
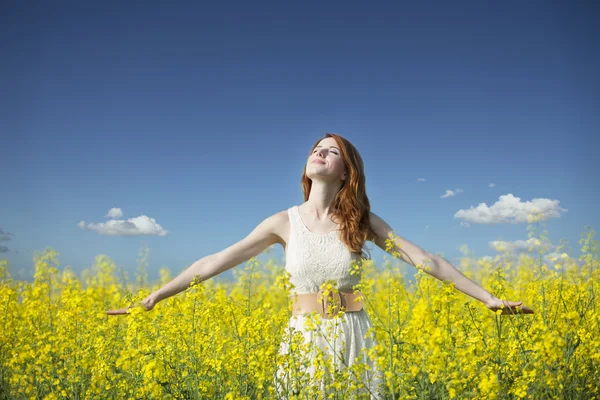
(195,120)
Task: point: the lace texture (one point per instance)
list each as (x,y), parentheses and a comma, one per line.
(312,258)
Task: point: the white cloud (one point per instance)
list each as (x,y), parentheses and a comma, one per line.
(517,246)
(138,226)
(510,209)
(5,235)
(492,185)
(421,180)
(556,257)
(552,260)
(114,213)
(450,193)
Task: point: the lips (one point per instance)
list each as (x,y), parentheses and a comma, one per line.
(318,162)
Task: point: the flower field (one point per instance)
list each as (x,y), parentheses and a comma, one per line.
(221,340)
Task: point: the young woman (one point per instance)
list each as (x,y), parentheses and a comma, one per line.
(321,238)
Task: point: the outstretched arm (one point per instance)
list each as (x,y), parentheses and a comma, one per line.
(436,266)
(258,240)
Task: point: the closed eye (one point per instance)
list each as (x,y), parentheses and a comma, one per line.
(332,152)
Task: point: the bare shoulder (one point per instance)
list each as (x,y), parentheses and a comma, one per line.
(280,226)
(381,228)
(405,249)
(378,224)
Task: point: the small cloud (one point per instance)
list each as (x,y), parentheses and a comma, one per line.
(492,185)
(5,236)
(421,180)
(114,213)
(138,226)
(427,226)
(556,257)
(518,246)
(510,210)
(450,193)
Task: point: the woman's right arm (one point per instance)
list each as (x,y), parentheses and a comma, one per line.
(263,236)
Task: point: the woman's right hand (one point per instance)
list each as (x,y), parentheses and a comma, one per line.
(148,304)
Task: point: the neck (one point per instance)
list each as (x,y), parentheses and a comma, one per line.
(321,198)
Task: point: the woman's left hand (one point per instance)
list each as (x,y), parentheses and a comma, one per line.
(147,304)
(508,307)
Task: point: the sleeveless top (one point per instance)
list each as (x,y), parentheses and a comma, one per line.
(312,258)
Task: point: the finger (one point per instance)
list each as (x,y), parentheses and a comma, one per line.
(524,309)
(123,310)
(511,304)
(520,310)
(120,311)
(512,309)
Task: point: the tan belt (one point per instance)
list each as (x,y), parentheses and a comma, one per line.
(328,306)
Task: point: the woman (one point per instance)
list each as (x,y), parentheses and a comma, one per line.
(322,237)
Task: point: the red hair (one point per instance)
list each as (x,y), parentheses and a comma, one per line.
(351,203)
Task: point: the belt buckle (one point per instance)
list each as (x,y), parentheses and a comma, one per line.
(323,303)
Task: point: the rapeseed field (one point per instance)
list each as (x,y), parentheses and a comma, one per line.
(220,340)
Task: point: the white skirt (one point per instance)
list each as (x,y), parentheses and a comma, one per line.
(342,342)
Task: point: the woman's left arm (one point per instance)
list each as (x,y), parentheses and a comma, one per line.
(445,271)
(437,267)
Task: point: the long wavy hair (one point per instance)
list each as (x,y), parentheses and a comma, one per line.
(351,204)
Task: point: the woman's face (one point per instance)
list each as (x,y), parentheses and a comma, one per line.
(326,160)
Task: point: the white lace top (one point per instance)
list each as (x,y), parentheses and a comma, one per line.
(312,258)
